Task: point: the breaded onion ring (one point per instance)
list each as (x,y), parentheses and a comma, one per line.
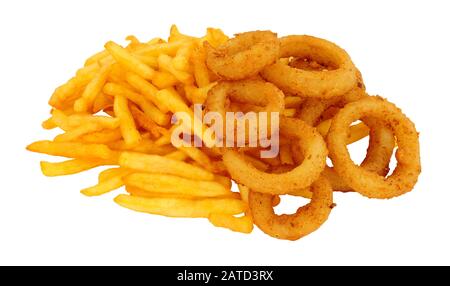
(243,56)
(312,83)
(293,226)
(379,153)
(263,95)
(300,177)
(365,182)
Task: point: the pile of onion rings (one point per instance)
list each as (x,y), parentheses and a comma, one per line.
(327,94)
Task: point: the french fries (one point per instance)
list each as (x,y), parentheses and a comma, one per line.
(116,111)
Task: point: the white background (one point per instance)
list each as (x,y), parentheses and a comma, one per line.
(401,47)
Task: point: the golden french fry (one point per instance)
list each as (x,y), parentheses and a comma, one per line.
(102,137)
(160,183)
(108,185)
(69,167)
(355,133)
(127,126)
(49,124)
(161,48)
(129,61)
(177,207)
(110,173)
(91,124)
(72,149)
(162,165)
(242,224)
(177,155)
(244,191)
(76,120)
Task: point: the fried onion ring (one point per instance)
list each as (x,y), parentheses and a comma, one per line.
(312,83)
(243,56)
(293,226)
(300,177)
(260,94)
(368,183)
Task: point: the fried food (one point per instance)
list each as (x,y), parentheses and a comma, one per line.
(148,110)
(319,84)
(243,56)
(368,183)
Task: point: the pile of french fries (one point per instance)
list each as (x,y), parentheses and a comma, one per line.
(116,111)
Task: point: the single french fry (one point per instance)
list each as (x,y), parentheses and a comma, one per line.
(162,165)
(174,207)
(160,183)
(161,48)
(77,132)
(355,133)
(102,137)
(177,155)
(242,224)
(70,167)
(110,173)
(244,191)
(127,126)
(108,185)
(49,124)
(129,61)
(72,149)
(76,120)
